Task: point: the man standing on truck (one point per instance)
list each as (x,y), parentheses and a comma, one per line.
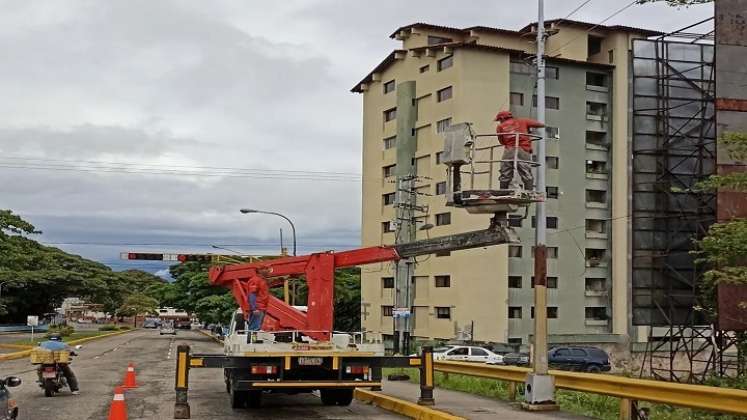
(259,297)
(507,130)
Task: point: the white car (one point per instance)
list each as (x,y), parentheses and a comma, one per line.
(467,354)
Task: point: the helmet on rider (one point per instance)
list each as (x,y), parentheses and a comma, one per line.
(55,337)
(503,115)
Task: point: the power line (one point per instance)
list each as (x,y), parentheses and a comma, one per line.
(580,6)
(594,27)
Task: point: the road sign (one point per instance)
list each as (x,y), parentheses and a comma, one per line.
(32,321)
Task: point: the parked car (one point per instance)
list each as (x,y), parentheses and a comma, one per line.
(585,359)
(466,354)
(516,359)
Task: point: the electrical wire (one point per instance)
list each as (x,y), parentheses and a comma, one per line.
(580,6)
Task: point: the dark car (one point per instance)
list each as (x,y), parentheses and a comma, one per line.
(516,359)
(582,359)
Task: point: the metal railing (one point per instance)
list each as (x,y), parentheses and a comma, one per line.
(630,390)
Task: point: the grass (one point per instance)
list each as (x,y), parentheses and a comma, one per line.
(586,404)
(74,336)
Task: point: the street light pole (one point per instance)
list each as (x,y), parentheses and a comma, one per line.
(293,227)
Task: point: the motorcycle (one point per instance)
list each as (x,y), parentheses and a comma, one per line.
(51,376)
(8,407)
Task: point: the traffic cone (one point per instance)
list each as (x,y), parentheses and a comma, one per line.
(118,409)
(129,381)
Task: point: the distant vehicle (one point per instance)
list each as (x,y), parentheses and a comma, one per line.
(585,359)
(516,359)
(466,354)
(167,328)
(8,407)
(151,323)
(503,348)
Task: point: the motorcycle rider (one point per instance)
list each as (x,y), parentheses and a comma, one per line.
(54,343)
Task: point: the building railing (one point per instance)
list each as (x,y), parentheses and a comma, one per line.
(630,390)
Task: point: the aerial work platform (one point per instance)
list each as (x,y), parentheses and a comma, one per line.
(473,163)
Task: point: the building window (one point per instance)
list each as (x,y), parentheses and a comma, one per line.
(596,79)
(594,45)
(387,282)
(387,227)
(390,114)
(597,313)
(552,132)
(390,142)
(594,256)
(435,40)
(552,312)
(388,170)
(596,196)
(514,341)
(440,188)
(552,252)
(389,87)
(596,226)
(442,125)
(439,157)
(551,102)
(514,220)
(388,199)
(552,282)
(514,282)
(514,251)
(443,281)
(595,284)
(552,162)
(425,68)
(596,109)
(443,219)
(596,167)
(596,138)
(445,63)
(443,253)
(443,312)
(387,310)
(520,67)
(552,72)
(551,222)
(514,312)
(611,56)
(552,192)
(444,94)
(516,98)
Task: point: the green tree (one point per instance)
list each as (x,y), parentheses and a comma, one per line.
(137,304)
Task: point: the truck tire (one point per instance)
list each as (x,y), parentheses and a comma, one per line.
(254,399)
(344,397)
(238,398)
(329,396)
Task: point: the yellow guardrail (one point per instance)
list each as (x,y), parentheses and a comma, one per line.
(725,400)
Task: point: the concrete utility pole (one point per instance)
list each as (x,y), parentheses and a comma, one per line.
(539,385)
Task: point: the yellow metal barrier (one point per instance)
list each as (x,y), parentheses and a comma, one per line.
(725,400)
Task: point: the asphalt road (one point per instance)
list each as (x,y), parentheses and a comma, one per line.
(102,365)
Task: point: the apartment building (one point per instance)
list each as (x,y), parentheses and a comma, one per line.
(440,76)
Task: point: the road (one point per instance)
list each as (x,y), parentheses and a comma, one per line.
(102,365)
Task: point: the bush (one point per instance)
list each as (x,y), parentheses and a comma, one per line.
(62,330)
(108,327)
(124,327)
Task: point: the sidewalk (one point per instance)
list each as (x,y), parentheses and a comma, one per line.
(470,406)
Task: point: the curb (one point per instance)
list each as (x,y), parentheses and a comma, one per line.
(216,339)
(15,346)
(405,408)
(26,353)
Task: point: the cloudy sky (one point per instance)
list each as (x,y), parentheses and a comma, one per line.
(174,92)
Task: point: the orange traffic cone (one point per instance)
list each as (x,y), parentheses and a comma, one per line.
(129,381)
(118,409)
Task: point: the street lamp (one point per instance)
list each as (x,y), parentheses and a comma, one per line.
(293,227)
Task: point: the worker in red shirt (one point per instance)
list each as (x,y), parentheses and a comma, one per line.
(259,298)
(507,127)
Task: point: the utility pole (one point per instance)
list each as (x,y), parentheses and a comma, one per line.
(540,386)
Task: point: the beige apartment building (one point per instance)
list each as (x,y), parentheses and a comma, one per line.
(449,75)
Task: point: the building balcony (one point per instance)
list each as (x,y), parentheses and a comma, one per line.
(595,205)
(596,263)
(595,293)
(601,147)
(597,175)
(595,88)
(596,322)
(596,117)
(596,235)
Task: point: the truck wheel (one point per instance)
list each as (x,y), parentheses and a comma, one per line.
(254,399)
(329,396)
(238,398)
(344,397)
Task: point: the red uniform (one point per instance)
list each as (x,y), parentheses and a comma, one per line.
(259,287)
(517,125)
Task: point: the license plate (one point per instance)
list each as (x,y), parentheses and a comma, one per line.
(310,361)
(51,374)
